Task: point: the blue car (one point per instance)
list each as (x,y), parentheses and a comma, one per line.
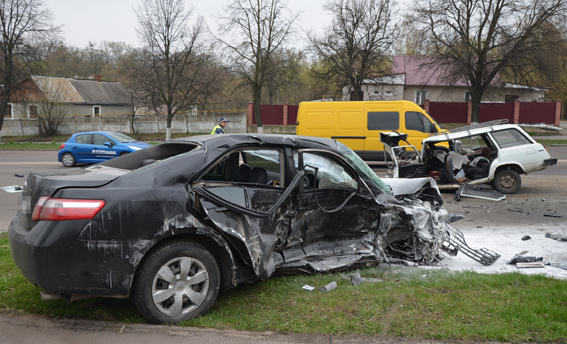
(97,146)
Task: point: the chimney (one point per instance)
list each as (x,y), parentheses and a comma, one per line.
(98,78)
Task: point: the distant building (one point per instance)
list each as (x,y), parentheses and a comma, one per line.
(410,81)
(90,97)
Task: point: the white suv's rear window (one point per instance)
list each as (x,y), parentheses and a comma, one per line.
(510,138)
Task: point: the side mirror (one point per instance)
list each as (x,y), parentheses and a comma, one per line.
(108,144)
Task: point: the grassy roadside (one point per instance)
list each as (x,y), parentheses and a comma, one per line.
(408,302)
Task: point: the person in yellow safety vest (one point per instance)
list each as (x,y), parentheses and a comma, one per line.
(219,128)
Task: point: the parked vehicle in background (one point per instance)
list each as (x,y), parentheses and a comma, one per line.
(96,146)
(358,124)
(171,224)
(485,153)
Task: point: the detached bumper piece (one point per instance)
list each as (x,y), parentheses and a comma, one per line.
(457,243)
(479,191)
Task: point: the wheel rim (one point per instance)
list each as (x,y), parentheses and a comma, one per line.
(507,181)
(180,286)
(67,159)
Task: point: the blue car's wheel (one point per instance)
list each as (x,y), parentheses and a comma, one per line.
(68,160)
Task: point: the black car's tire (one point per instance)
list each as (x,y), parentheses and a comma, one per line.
(177,282)
(68,160)
(507,181)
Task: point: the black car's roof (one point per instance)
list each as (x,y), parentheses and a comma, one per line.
(212,141)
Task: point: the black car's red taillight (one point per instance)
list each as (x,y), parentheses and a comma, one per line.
(58,209)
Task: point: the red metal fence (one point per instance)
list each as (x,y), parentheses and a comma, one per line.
(448,112)
(442,112)
(517,112)
(275,114)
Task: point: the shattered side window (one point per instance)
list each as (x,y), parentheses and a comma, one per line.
(324,173)
(510,138)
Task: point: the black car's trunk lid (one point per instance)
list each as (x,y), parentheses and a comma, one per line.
(38,185)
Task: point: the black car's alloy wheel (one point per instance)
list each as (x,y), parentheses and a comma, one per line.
(178,282)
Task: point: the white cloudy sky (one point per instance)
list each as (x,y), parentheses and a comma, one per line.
(114,20)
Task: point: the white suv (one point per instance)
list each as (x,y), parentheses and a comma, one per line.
(485,153)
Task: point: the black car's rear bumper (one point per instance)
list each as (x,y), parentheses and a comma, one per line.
(51,256)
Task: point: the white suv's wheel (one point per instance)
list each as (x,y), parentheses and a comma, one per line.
(507,181)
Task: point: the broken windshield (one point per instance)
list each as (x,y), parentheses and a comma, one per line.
(361,167)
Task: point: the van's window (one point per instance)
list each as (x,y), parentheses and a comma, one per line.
(418,121)
(510,138)
(383,121)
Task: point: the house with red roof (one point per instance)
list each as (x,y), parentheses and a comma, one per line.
(414,79)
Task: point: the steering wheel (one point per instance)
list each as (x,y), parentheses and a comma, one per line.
(307,181)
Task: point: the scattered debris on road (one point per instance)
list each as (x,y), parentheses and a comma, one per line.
(557,237)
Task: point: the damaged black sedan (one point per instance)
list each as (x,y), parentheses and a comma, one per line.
(172,224)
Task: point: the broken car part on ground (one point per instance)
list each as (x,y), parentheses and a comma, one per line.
(486,153)
(172,224)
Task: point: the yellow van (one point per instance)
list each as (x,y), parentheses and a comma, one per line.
(358,124)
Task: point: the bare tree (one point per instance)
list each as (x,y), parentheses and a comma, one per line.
(53,106)
(257,30)
(171,60)
(25,26)
(356,46)
(476,41)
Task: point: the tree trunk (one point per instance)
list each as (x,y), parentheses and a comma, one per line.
(476,97)
(257,108)
(168,129)
(356,93)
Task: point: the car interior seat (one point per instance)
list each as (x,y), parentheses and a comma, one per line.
(447,174)
(258,175)
(242,173)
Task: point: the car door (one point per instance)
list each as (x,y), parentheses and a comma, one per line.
(337,216)
(253,207)
(324,218)
(100,151)
(516,149)
(82,149)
